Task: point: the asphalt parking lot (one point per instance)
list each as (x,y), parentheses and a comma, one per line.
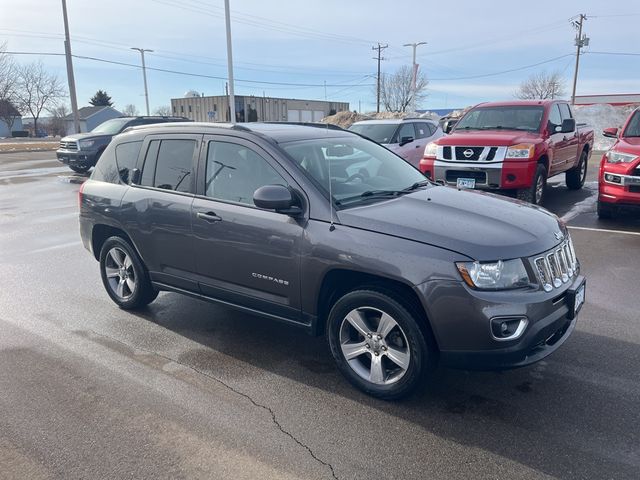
(187,389)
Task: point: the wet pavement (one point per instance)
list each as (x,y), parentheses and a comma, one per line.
(187,389)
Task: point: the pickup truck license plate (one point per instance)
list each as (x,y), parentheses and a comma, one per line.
(579,299)
(466,183)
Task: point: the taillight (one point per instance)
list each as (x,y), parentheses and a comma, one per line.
(80,194)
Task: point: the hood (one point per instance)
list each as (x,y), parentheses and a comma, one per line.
(629,145)
(480,225)
(489,138)
(85,136)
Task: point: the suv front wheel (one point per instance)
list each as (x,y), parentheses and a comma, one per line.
(124,276)
(377,344)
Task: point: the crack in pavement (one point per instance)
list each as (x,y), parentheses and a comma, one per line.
(234,390)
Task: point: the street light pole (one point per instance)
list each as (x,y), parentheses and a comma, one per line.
(414,77)
(70,78)
(581,41)
(232,100)
(144,75)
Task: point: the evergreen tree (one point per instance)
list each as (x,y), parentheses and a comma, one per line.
(101,99)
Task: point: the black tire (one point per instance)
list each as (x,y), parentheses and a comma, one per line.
(575,177)
(135,273)
(532,194)
(605,210)
(79,169)
(406,337)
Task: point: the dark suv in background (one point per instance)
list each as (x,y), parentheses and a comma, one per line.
(328,231)
(81,151)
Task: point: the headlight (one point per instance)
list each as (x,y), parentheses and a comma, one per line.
(522,150)
(86,143)
(498,275)
(619,157)
(431,150)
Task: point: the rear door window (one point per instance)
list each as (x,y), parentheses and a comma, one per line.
(169,164)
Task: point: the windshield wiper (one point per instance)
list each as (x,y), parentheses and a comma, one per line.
(371,194)
(415,186)
(500,127)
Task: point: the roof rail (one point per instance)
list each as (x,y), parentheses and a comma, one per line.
(328,126)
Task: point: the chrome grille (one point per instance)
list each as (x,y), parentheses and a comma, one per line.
(68,145)
(557,266)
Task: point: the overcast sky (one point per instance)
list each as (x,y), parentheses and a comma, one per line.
(310,43)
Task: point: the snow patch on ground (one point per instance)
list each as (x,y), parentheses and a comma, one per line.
(600,117)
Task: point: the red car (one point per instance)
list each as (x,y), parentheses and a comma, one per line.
(619,179)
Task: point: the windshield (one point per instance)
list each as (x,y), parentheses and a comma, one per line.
(359,169)
(527,118)
(111,127)
(633,129)
(378,132)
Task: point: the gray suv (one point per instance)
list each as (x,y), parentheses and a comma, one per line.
(330,232)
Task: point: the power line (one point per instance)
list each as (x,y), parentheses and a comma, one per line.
(176,72)
(470,77)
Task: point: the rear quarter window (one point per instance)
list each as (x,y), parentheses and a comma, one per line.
(126,158)
(106,170)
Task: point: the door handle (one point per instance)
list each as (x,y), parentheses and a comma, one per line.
(418,146)
(208,217)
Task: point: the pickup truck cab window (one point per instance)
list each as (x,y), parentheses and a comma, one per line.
(555,119)
(234,172)
(565,111)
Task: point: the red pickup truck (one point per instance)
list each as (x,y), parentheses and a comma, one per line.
(619,178)
(512,146)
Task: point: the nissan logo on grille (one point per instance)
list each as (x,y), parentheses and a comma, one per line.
(468,153)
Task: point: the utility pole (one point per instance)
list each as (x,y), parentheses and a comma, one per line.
(581,41)
(232,99)
(144,75)
(379,48)
(414,78)
(70,79)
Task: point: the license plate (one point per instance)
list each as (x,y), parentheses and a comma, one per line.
(578,299)
(466,183)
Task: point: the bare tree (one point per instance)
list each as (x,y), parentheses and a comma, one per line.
(541,86)
(163,111)
(8,112)
(37,90)
(130,110)
(395,89)
(58,124)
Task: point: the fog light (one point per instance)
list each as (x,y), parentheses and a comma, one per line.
(612,178)
(508,328)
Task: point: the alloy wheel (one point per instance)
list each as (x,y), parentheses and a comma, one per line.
(120,273)
(374,345)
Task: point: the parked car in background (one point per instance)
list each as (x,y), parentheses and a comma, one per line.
(406,137)
(512,146)
(81,151)
(619,178)
(330,232)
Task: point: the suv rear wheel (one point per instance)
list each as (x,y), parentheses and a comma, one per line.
(124,276)
(377,344)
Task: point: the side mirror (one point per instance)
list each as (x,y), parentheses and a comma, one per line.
(405,140)
(448,126)
(610,132)
(134,176)
(568,125)
(276,197)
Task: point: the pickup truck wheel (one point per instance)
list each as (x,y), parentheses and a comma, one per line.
(605,210)
(377,344)
(79,169)
(124,276)
(575,177)
(535,193)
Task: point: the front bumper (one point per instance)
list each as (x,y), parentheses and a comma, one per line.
(80,158)
(619,189)
(463,328)
(502,175)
